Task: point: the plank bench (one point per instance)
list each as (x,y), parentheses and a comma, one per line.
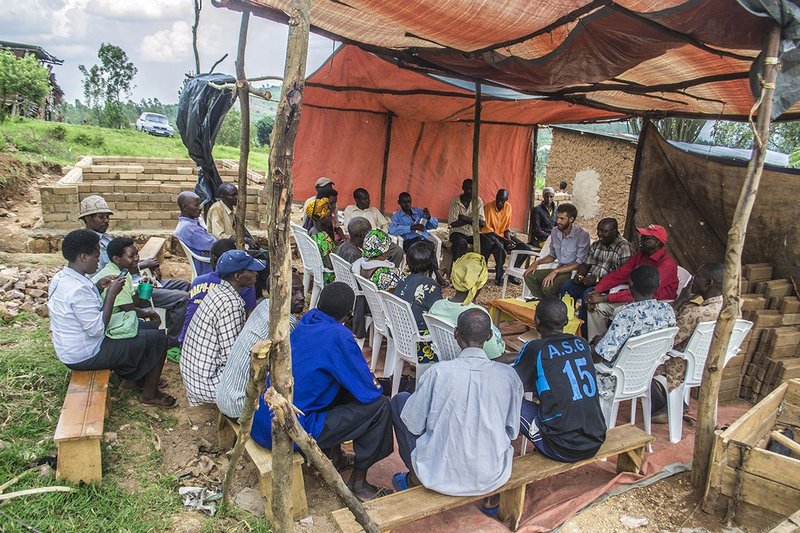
(153,249)
(627,442)
(80,427)
(227,430)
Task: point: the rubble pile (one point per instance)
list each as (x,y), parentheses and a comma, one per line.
(24,290)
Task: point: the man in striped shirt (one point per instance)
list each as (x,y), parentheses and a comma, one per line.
(233,380)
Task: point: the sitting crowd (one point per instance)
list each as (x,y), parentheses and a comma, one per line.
(100,320)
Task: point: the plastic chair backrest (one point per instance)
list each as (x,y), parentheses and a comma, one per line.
(696,352)
(639,358)
(740,330)
(370,292)
(444,342)
(344,273)
(312,259)
(296,232)
(402,324)
(192,257)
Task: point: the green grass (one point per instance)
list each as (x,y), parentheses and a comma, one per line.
(135,496)
(49,143)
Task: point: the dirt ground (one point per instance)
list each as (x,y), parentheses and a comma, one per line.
(189,441)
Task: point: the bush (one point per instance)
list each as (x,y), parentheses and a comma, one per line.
(57,133)
(93,141)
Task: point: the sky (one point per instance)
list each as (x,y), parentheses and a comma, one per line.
(156,35)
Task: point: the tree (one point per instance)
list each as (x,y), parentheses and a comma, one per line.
(230,132)
(784,137)
(672,129)
(264,130)
(107,82)
(23,76)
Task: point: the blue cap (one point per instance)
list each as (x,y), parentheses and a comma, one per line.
(237,260)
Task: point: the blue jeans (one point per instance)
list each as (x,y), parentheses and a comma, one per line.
(578,291)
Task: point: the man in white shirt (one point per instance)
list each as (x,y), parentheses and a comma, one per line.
(467,396)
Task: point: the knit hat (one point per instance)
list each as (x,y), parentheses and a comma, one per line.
(92,205)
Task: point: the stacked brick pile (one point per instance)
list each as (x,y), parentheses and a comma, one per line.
(142,192)
(772,349)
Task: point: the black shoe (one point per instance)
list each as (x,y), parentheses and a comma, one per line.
(514,281)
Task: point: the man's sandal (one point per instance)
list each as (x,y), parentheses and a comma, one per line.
(490,511)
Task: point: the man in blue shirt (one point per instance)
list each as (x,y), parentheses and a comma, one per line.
(412,224)
(564,421)
(334,388)
(192,232)
(202,284)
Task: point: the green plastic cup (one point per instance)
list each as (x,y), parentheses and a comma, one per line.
(145,290)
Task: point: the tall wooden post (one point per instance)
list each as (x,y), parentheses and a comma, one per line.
(476,145)
(712,374)
(279,196)
(532,189)
(386,149)
(244,149)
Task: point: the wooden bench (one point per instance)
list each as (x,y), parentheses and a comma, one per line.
(80,427)
(628,442)
(262,458)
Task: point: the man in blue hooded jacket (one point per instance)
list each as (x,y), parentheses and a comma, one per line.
(334,388)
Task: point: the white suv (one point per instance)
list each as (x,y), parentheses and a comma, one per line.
(154,124)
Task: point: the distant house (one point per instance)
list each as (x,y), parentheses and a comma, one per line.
(51,110)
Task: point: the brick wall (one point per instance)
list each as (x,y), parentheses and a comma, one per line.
(142,192)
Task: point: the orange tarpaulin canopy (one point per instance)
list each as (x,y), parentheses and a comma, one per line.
(345,122)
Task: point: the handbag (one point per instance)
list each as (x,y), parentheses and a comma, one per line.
(123,325)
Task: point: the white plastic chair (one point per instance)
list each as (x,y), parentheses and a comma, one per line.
(403,327)
(343,272)
(380,330)
(442,338)
(190,255)
(634,368)
(695,354)
(312,261)
(518,272)
(300,230)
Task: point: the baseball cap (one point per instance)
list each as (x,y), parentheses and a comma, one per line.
(548,190)
(237,260)
(654,230)
(321,182)
(91,205)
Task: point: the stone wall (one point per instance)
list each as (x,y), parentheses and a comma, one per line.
(598,170)
(142,192)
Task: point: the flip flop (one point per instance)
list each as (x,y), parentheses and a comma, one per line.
(400,481)
(163,383)
(490,511)
(174,354)
(165,401)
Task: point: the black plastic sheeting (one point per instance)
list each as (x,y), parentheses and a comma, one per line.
(787,86)
(200,113)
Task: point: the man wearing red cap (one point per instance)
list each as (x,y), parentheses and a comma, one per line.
(603,304)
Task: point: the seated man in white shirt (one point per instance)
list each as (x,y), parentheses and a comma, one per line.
(376,219)
(469,396)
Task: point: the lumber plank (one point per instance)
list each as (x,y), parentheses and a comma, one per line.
(152,248)
(762,492)
(83,412)
(416,503)
(79,460)
(752,425)
(790,525)
(512,504)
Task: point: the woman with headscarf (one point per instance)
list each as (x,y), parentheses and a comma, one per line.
(320,213)
(421,291)
(469,275)
(374,264)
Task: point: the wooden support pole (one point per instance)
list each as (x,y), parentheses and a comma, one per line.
(532,189)
(279,198)
(286,419)
(712,374)
(259,365)
(476,148)
(244,149)
(387,148)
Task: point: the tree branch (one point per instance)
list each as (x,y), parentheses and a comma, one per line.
(220,60)
(198,6)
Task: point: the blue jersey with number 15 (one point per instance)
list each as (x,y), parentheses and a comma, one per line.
(560,373)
